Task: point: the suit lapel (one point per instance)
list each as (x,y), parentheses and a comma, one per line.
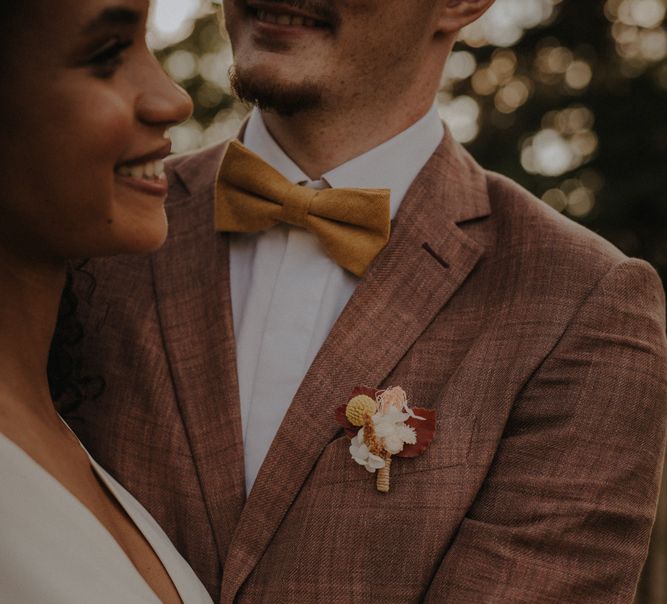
(191,275)
(427,259)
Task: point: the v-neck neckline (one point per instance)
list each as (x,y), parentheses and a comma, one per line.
(129,505)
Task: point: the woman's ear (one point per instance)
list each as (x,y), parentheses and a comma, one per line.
(456,14)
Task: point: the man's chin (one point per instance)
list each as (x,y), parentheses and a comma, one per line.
(285,99)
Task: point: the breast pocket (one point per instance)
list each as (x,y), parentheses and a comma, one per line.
(450,447)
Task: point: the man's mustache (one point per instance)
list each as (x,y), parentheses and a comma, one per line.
(321,10)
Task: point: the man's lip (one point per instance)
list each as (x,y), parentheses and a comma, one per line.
(159,153)
(285,9)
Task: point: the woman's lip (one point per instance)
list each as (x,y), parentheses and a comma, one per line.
(157,188)
(159,153)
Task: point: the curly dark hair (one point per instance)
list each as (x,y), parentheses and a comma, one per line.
(68,383)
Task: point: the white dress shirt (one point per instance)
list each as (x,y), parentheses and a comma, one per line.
(287,293)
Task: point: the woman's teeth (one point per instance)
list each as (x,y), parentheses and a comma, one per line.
(280,19)
(152,170)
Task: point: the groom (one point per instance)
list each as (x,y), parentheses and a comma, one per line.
(539,346)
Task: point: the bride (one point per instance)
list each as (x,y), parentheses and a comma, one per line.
(83,114)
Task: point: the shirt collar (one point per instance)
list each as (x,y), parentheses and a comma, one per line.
(392,165)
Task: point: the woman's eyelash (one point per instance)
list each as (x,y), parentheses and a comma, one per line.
(110,55)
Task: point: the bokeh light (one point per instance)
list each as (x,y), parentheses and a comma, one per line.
(461,115)
(565,142)
(507,20)
(173,20)
(639,32)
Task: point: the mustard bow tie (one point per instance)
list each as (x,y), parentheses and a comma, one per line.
(351,224)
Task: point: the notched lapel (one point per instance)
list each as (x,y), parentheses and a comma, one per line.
(194,304)
(427,259)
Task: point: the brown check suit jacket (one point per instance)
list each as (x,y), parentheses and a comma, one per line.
(540,345)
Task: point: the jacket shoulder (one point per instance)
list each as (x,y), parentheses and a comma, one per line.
(528,228)
(545,264)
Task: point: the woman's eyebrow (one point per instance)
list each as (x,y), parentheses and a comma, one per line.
(115,15)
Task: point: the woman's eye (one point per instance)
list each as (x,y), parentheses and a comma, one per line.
(106,59)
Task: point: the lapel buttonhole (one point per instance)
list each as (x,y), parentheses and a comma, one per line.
(435,255)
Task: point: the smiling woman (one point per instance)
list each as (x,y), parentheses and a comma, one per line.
(94,104)
(83,114)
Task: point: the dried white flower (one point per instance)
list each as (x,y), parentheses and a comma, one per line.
(362,455)
(393,431)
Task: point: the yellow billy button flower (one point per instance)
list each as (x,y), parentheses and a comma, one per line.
(358,407)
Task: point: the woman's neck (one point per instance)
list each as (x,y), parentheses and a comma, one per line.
(31,293)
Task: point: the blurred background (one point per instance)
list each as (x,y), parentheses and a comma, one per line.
(568,98)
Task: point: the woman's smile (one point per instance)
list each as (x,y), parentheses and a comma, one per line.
(145,173)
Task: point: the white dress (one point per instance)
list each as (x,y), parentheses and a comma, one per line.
(54,550)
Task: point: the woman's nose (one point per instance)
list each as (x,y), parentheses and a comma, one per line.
(161,101)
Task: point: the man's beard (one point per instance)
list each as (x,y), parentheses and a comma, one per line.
(285,100)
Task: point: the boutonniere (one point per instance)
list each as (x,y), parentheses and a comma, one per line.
(381,424)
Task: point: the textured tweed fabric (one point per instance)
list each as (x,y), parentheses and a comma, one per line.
(541,347)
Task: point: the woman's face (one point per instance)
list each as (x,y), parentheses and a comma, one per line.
(83,114)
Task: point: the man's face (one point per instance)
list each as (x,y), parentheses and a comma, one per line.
(294,54)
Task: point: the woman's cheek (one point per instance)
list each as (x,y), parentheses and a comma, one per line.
(113,128)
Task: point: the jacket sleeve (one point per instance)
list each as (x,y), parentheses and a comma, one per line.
(566,510)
